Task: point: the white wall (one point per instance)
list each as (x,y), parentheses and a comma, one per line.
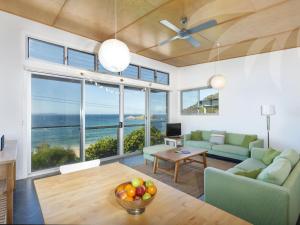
(15,82)
(271,78)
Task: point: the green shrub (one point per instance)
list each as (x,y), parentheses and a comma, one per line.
(134,141)
(104,147)
(108,146)
(47,157)
(156,136)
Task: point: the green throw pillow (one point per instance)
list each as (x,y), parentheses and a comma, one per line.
(277,172)
(290,155)
(248,139)
(206,135)
(196,135)
(251,174)
(269,155)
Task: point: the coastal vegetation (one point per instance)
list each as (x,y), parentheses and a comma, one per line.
(46,156)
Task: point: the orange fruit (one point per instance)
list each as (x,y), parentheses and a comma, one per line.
(120,188)
(131,191)
(128,198)
(141,181)
(151,190)
(127,187)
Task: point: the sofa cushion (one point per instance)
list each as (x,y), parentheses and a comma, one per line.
(156,148)
(251,164)
(234,139)
(217,139)
(269,155)
(277,172)
(198,144)
(218,132)
(196,135)
(206,135)
(231,149)
(251,174)
(290,155)
(234,170)
(248,139)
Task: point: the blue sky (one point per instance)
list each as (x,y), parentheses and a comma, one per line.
(51,96)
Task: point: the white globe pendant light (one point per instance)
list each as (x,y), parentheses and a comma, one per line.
(114,55)
(217,81)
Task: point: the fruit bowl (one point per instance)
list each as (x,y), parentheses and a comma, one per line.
(135,196)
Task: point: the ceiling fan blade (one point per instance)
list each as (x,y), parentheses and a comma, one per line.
(203,26)
(193,42)
(168,40)
(170,25)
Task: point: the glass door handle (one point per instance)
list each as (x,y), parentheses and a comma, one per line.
(120,124)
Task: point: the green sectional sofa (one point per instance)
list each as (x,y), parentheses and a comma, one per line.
(257,201)
(236,146)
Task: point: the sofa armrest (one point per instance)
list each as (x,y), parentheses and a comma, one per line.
(187,137)
(258,153)
(255,201)
(259,143)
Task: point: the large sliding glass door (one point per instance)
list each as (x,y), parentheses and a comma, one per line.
(75,120)
(55,133)
(134,119)
(101,120)
(158,116)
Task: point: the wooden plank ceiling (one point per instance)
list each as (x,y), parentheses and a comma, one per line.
(245,27)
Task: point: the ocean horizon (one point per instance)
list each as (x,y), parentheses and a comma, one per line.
(64,129)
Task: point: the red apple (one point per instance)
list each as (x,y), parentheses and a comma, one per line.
(143,186)
(140,191)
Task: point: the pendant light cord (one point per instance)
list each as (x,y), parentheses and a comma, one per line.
(218,57)
(115,13)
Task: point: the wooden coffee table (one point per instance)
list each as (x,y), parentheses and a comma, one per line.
(177,157)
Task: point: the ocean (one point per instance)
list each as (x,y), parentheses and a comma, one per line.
(64,130)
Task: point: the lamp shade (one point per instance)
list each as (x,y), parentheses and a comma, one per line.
(114,55)
(268,110)
(218,81)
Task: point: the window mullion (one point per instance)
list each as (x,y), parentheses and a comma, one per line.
(82,121)
(121,119)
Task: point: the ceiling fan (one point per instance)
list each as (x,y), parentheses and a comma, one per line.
(186,34)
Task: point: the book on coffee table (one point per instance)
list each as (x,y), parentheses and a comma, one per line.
(182,151)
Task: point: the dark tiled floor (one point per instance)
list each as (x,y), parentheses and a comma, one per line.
(26,205)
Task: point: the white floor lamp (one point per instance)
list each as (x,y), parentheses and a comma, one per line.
(268,111)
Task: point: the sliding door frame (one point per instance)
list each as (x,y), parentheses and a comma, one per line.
(121,137)
(121,120)
(148,118)
(82,121)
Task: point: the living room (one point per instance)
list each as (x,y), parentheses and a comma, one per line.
(224,76)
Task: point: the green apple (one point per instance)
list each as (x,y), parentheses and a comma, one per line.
(136,182)
(146,196)
(149,183)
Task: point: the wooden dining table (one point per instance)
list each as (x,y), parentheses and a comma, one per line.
(87,197)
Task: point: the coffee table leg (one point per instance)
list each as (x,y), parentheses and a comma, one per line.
(155,164)
(176,171)
(204,159)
